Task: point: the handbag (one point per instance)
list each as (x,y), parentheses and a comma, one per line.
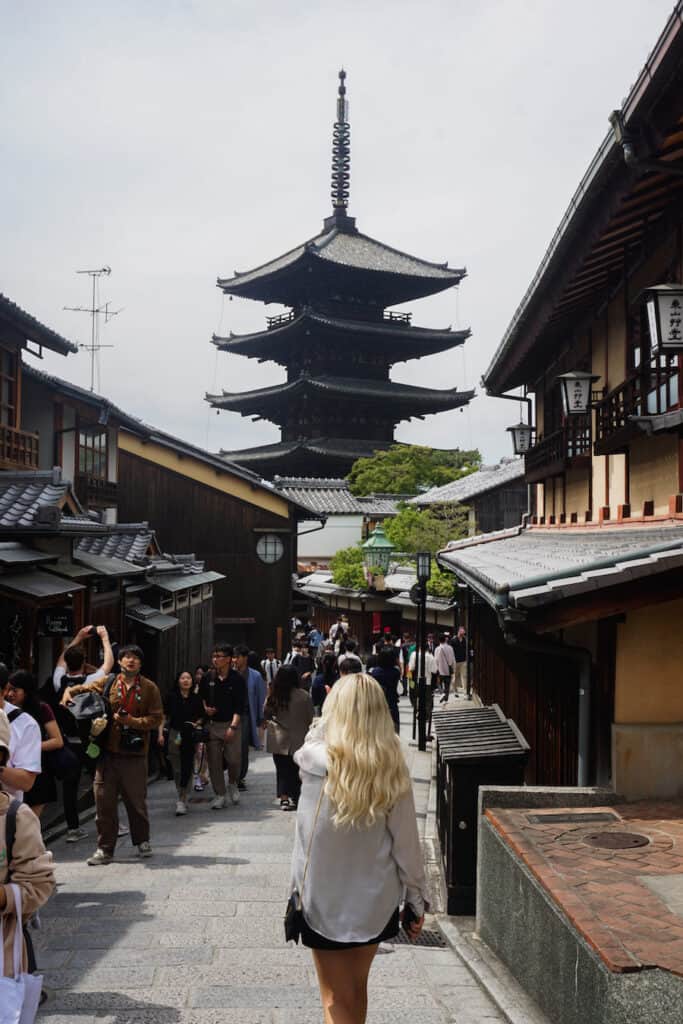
(294,911)
(19,994)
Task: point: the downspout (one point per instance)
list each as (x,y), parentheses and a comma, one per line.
(526,516)
(585,659)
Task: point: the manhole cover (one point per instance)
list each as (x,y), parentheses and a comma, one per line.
(616,840)
(428,937)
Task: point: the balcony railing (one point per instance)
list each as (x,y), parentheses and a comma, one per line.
(393,317)
(92,490)
(277,321)
(568,446)
(18,449)
(649,393)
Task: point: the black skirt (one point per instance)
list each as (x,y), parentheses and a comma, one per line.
(315,941)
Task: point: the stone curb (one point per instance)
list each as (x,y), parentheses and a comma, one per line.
(485,967)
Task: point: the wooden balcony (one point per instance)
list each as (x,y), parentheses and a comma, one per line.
(568,447)
(93,491)
(650,393)
(18,449)
(272,322)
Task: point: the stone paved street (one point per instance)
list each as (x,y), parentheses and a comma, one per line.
(194,935)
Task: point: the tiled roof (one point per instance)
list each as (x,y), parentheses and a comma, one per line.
(524,568)
(507,471)
(42,502)
(346,447)
(349,249)
(332,496)
(350,387)
(32,329)
(127,541)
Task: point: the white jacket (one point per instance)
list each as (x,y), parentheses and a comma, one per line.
(356,877)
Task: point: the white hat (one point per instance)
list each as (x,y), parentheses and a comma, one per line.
(5,731)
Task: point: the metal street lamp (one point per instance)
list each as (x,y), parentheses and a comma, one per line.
(576,391)
(664,304)
(377,551)
(521,437)
(424,571)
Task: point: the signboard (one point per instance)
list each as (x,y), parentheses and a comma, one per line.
(56,622)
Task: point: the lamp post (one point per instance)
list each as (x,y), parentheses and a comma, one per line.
(377,552)
(664,304)
(424,571)
(576,391)
(521,437)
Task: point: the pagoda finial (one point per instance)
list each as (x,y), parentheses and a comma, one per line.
(341,150)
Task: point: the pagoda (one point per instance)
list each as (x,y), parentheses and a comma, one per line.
(338,340)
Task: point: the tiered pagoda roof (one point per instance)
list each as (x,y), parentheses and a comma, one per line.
(338,340)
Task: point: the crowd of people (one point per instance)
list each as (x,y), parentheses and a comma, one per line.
(324,712)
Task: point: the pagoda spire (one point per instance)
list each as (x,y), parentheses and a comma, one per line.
(341,162)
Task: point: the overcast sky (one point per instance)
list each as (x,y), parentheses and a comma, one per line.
(177,141)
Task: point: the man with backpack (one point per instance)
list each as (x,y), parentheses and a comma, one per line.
(135,711)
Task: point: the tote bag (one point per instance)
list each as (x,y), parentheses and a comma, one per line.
(20,994)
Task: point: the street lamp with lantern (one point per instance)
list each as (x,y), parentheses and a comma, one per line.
(664,305)
(377,552)
(424,571)
(576,389)
(521,437)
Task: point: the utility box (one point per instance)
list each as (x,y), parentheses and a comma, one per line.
(475,747)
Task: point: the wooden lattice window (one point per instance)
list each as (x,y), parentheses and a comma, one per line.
(92,453)
(8,388)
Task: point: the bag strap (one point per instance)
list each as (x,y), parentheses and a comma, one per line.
(310,842)
(14,714)
(11,830)
(18,932)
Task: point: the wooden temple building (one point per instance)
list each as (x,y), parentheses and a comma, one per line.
(338,340)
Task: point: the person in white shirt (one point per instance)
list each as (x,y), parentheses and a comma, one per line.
(70,667)
(270,665)
(445,665)
(356,842)
(24,765)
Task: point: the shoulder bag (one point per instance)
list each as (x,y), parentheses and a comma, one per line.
(19,994)
(294,913)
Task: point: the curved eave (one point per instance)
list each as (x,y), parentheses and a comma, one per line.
(408,342)
(414,401)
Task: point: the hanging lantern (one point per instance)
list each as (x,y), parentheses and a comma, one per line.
(664,304)
(377,551)
(576,391)
(521,437)
(424,566)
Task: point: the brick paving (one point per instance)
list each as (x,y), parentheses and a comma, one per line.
(194,935)
(626,903)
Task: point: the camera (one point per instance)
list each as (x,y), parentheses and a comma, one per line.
(132,741)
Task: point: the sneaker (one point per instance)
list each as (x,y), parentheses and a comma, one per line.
(181,807)
(234,793)
(145,850)
(241,785)
(218,803)
(99,857)
(74,834)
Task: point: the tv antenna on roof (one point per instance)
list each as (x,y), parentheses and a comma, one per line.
(96,311)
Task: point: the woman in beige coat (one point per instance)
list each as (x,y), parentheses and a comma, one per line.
(288,713)
(30,866)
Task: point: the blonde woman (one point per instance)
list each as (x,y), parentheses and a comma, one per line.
(357,816)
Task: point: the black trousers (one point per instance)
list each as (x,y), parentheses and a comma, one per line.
(288,781)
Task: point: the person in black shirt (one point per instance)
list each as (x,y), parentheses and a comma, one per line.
(182,712)
(224,695)
(459,645)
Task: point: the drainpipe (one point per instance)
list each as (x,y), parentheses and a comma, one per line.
(526,516)
(584,658)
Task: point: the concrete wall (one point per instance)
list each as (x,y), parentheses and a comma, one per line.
(647,737)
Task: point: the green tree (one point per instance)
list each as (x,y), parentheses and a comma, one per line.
(409,469)
(347,568)
(429,529)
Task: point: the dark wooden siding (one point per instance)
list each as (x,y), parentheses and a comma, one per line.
(539,693)
(218,528)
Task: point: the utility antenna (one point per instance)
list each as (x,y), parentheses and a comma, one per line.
(95,312)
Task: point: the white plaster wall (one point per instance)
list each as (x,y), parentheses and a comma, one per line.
(339,532)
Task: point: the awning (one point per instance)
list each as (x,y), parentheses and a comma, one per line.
(38,584)
(104,566)
(434,604)
(171,583)
(13,553)
(151,618)
(526,568)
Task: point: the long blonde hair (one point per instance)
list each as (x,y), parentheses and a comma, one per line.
(367,773)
